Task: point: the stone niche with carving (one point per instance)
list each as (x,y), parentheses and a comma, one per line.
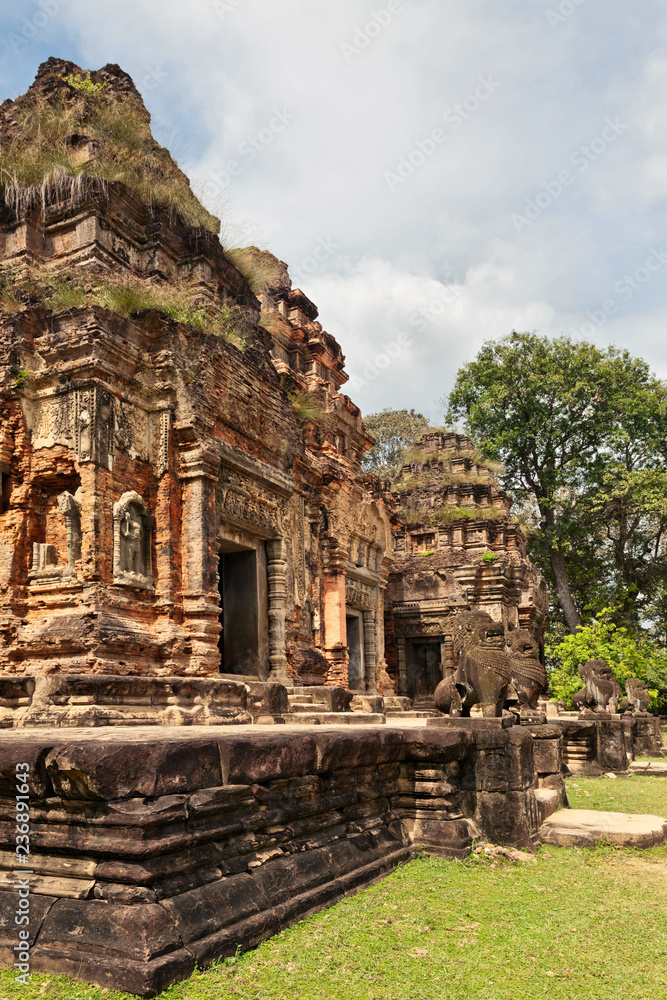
(63,518)
(132,542)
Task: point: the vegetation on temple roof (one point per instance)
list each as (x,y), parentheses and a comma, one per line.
(127,296)
(71,131)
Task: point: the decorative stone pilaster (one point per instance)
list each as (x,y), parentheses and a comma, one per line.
(335,631)
(277,593)
(198,476)
(402,666)
(69,508)
(370,657)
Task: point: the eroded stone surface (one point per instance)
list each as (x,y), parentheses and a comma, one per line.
(586,827)
(151,855)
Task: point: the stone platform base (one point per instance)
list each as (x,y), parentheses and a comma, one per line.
(471,724)
(586,827)
(655,768)
(155,850)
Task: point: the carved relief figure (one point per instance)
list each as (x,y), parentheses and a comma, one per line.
(601,692)
(529,677)
(132,541)
(484,672)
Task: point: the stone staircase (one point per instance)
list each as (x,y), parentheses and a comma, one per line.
(309,709)
(421,708)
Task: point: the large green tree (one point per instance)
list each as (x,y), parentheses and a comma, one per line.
(582,433)
(394,431)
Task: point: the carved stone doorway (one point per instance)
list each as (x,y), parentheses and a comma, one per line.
(243,611)
(356,680)
(424,669)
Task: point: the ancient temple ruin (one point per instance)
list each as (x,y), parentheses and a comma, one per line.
(188,540)
(457,548)
(181,473)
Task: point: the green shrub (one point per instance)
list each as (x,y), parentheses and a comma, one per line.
(626,655)
(83,83)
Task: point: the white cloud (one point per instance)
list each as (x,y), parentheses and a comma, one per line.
(449,225)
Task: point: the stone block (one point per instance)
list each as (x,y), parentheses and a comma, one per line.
(508,818)
(136,948)
(547,755)
(586,827)
(113,770)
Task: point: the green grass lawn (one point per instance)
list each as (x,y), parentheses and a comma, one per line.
(637,794)
(573,925)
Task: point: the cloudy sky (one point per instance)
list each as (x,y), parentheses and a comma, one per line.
(435,172)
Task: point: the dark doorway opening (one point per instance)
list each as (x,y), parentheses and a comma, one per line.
(424,669)
(239,613)
(355,666)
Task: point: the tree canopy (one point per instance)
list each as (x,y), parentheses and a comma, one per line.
(394,431)
(582,433)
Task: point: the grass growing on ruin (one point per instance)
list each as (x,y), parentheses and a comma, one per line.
(637,794)
(259,268)
(573,925)
(42,161)
(127,297)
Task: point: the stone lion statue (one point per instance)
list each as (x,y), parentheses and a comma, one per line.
(637,697)
(529,677)
(483,672)
(601,692)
